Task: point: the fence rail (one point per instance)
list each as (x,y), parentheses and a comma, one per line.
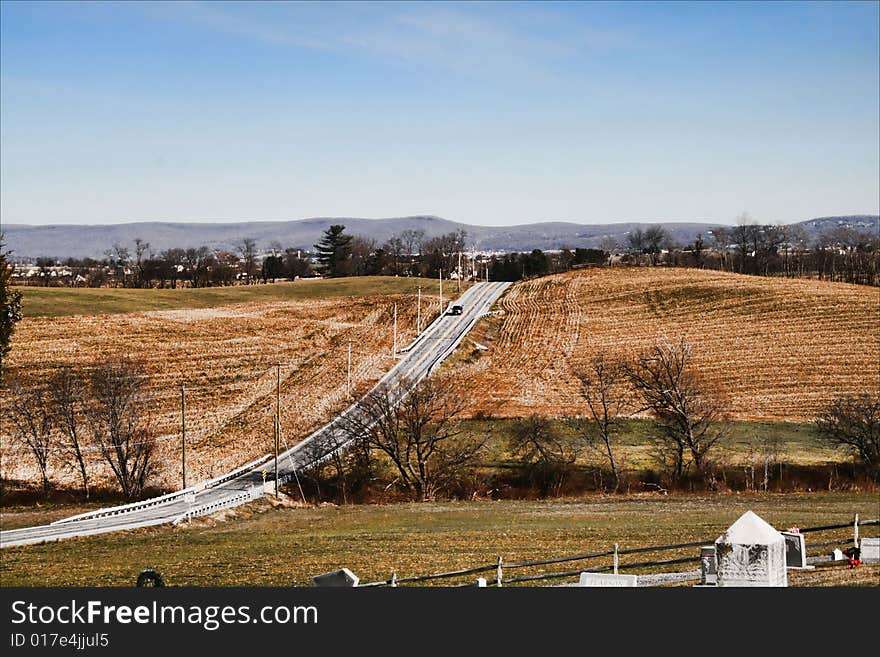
(500,566)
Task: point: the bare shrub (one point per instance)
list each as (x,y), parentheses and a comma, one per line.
(421,434)
(119,423)
(606,391)
(549,456)
(692,418)
(33,426)
(853,423)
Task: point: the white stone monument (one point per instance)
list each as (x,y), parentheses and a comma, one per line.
(751,553)
(601,579)
(869,550)
(341,577)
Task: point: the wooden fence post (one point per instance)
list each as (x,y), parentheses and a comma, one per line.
(616,558)
(498,576)
(394,579)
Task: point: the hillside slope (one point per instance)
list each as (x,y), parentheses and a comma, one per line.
(225,356)
(777,348)
(79,241)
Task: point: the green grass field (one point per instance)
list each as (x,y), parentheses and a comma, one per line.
(747,442)
(260,545)
(57,302)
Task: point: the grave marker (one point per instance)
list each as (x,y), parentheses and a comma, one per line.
(708,566)
(870,550)
(600,579)
(795,551)
(341,577)
(751,553)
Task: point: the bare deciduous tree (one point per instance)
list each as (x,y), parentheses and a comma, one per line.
(118,423)
(421,434)
(65,392)
(692,419)
(350,463)
(853,422)
(247,249)
(33,425)
(548,454)
(605,389)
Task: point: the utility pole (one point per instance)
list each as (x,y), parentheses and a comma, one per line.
(277,419)
(348,379)
(183,433)
(441,292)
(419,315)
(458,280)
(394,346)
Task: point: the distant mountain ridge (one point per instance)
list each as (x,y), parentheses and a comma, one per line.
(81,241)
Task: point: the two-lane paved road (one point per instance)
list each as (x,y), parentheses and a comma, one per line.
(433,345)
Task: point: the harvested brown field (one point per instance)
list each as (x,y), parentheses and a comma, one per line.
(225,356)
(778,349)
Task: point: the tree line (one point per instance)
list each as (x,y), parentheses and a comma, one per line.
(69,419)
(429,448)
(840,254)
(194,267)
(425,445)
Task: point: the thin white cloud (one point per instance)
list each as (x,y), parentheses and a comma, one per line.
(467,38)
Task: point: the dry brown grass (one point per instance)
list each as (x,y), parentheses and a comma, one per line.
(778,349)
(253,545)
(225,356)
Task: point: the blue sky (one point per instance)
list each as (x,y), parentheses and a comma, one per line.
(483,113)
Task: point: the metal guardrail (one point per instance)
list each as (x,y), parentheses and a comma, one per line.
(128,508)
(166,498)
(421,335)
(229,476)
(255,492)
(458,340)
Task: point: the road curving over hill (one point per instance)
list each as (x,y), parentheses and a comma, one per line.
(248,482)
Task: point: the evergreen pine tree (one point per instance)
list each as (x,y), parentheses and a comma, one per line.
(10,305)
(334,251)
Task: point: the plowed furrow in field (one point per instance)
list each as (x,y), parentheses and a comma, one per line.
(777,349)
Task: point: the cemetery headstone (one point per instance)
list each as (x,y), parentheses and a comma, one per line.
(601,579)
(795,550)
(708,566)
(341,577)
(870,550)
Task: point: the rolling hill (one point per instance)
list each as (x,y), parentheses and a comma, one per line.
(778,349)
(93,240)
